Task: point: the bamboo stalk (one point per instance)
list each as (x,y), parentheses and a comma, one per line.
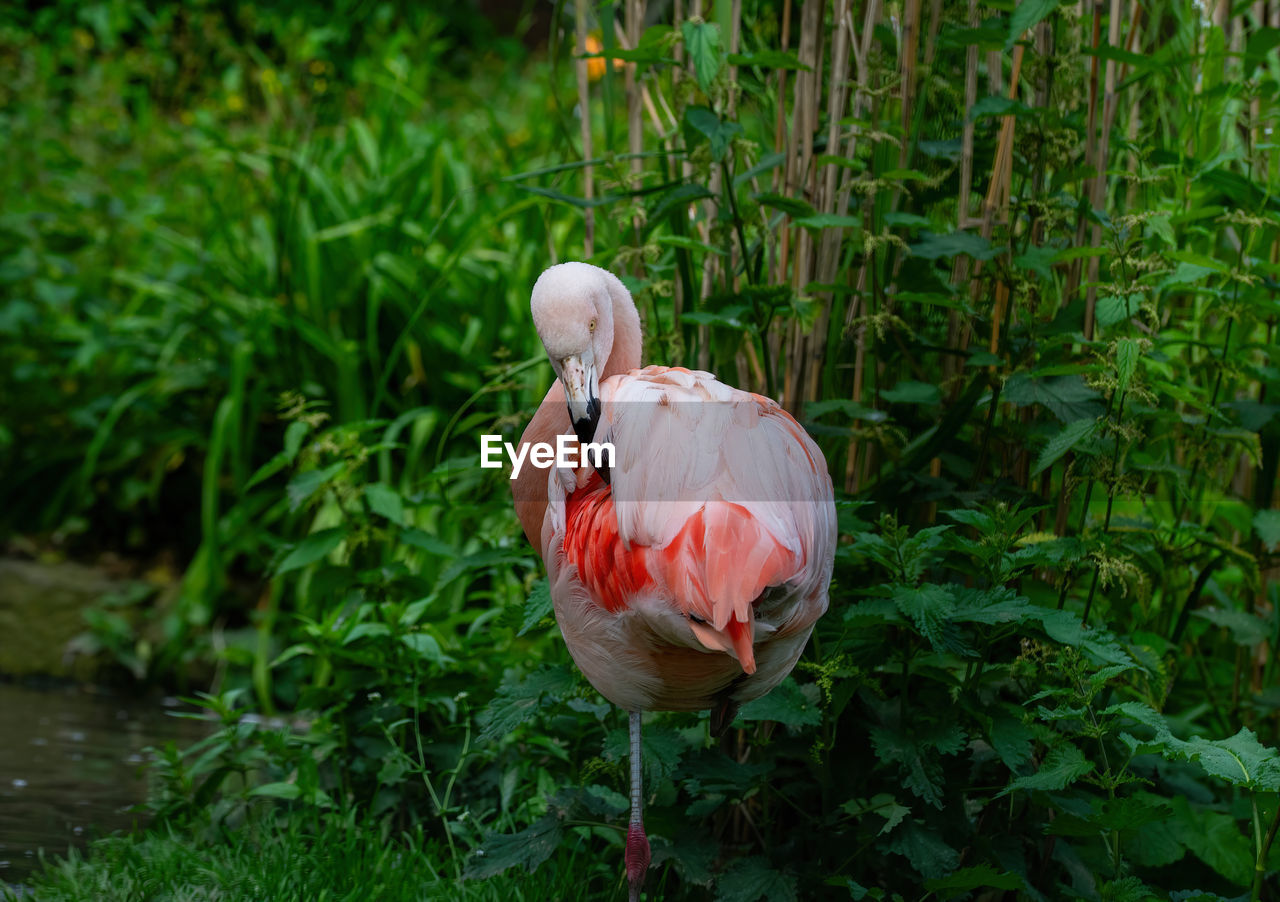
(584,112)
(1099,194)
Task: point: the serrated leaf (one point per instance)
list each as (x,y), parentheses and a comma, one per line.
(751,879)
(286,791)
(917,752)
(1246,629)
(1215,839)
(519,698)
(829,221)
(312,548)
(910,392)
(294,433)
(1028,14)
(1071,435)
(490,557)
(425,646)
(304,485)
(719,133)
(926,850)
(928,606)
(427,542)
(1066,397)
(1061,767)
(364,631)
(385,501)
(1126,362)
(971,878)
(702,44)
(768,59)
(932,246)
(1240,759)
(1266,523)
(661,748)
(1111,309)
(792,206)
(528,848)
(1011,739)
(788,703)
(536,606)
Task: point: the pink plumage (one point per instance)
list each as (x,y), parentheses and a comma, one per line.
(690,573)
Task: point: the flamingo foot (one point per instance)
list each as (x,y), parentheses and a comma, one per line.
(637,858)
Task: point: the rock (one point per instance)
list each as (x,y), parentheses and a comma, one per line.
(41,609)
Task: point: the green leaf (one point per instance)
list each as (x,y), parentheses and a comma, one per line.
(490,557)
(1071,435)
(909,392)
(930,606)
(1261,42)
(751,879)
(1028,14)
(528,848)
(1000,106)
(689,244)
(364,631)
(918,752)
(519,699)
(304,485)
(1266,523)
(702,44)
(426,646)
(729,317)
(971,878)
(720,134)
(662,749)
(932,246)
(312,548)
(1061,767)
(1246,629)
(829,221)
(385,500)
(928,853)
(1011,739)
(1066,397)
(768,59)
(793,206)
(286,791)
(537,606)
(1215,839)
(1111,309)
(427,542)
(1240,759)
(789,703)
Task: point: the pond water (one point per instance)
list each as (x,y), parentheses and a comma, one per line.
(71,767)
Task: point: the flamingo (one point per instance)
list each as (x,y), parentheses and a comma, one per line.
(689,574)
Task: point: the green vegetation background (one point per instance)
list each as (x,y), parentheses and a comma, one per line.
(264,275)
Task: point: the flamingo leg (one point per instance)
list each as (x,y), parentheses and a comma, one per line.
(637,857)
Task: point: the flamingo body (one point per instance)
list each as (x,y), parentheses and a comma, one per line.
(696,576)
(688,574)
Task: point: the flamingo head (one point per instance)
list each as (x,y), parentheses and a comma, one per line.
(573,313)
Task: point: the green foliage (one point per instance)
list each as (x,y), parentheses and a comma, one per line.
(266,281)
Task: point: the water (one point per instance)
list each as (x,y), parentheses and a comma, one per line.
(71,766)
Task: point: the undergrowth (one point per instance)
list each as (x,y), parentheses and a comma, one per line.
(266,283)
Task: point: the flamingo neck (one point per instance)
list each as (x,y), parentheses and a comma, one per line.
(624,356)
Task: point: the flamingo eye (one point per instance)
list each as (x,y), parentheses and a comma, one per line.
(591,326)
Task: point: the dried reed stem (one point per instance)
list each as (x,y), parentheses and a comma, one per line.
(584,113)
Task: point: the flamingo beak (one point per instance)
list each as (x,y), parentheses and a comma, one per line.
(582,390)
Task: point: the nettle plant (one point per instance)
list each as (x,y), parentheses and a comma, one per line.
(1053,401)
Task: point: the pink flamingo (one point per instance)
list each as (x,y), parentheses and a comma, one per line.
(688,575)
